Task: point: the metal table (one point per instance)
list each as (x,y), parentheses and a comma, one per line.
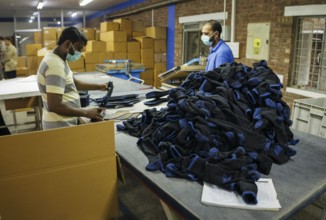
(27,87)
(298,183)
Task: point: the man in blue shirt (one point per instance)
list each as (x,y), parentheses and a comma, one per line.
(220,52)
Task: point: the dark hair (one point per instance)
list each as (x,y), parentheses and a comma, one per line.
(9,38)
(72,34)
(1,38)
(216,26)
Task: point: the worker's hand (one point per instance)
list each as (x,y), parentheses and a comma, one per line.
(95,114)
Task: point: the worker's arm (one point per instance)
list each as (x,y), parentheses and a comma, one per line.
(89,86)
(56,105)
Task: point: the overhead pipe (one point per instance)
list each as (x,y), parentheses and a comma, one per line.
(62,18)
(233,21)
(224,10)
(146,8)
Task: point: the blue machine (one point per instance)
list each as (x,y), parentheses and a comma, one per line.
(128,73)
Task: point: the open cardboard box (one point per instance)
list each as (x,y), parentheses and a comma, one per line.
(67,173)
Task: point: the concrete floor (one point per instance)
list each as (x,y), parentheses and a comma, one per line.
(138,202)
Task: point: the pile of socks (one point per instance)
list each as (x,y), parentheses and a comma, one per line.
(225,127)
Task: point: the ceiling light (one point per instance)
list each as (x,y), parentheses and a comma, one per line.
(35,13)
(32,17)
(74,14)
(84,2)
(40,5)
(30,21)
(59,22)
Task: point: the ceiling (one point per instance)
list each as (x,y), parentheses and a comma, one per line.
(52,8)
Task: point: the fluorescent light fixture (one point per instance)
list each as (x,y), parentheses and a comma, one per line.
(84,2)
(30,21)
(74,14)
(40,5)
(35,13)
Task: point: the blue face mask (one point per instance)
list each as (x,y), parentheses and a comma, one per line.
(207,40)
(74,57)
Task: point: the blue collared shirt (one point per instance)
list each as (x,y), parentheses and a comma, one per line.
(221,53)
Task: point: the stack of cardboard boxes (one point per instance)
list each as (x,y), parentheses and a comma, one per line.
(31,53)
(94,54)
(115,40)
(147,58)
(159,36)
(21,66)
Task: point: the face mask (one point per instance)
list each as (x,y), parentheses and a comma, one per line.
(207,40)
(74,57)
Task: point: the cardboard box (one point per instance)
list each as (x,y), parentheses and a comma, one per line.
(97,34)
(78,64)
(79,71)
(147,57)
(119,55)
(91,57)
(32,62)
(90,67)
(50,45)
(160,46)
(39,60)
(89,33)
(19,103)
(31,49)
(159,68)
(145,42)
(32,71)
(95,46)
(49,34)
(109,26)
(21,61)
(134,57)
(116,46)
(125,25)
(137,34)
(105,56)
(63,178)
(147,54)
(59,31)
(159,57)
(38,37)
(156,32)
(133,46)
(149,82)
(138,26)
(113,36)
(22,71)
(147,74)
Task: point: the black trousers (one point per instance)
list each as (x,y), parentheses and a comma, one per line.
(10,74)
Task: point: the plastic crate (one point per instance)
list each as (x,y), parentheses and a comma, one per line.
(309,115)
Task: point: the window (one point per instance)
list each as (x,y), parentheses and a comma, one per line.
(192,45)
(309,66)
